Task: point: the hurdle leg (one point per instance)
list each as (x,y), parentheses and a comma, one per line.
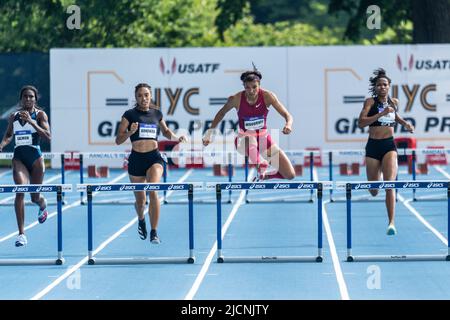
(191,258)
(219,223)
(414,173)
(330,172)
(81,178)
(349,222)
(246,177)
(63,176)
(91,259)
(319,223)
(59,198)
(311,175)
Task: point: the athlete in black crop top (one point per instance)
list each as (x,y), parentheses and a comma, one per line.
(27,126)
(145,163)
(380,113)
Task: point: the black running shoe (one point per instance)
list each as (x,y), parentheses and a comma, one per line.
(154,237)
(142,229)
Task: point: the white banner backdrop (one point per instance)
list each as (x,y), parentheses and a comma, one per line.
(323,88)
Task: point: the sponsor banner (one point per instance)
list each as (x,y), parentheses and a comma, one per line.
(35,188)
(269,186)
(324,88)
(365,185)
(138,187)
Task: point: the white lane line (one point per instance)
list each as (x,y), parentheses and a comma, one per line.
(54,213)
(334,256)
(44,182)
(78,265)
(445,173)
(198,281)
(422,219)
(406,203)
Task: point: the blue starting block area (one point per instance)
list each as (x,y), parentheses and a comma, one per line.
(34,188)
(245,186)
(415,184)
(127,187)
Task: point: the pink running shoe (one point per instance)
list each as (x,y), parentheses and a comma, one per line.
(42,215)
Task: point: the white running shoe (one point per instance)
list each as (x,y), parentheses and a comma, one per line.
(21,240)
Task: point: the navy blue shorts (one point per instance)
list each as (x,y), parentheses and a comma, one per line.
(377,148)
(27,155)
(140,162)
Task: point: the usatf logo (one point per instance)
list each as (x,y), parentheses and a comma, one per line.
(411,185)
(402,67)
(363,186)
(174,67)
(435,185)
(125,187)
(423,64)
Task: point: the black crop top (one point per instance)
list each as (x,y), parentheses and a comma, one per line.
(148,123)
(387,120)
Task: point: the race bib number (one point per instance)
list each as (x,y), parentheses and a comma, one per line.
(386,119)
(148,131)
(23,138)
(254,123)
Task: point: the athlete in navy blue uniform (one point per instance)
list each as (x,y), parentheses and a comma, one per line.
(380,113)
(27,126)
(142,125)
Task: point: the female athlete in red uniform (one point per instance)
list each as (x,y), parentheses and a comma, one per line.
(253,139)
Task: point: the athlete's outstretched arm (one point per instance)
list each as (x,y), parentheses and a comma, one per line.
(402,121)
(281,109)
(230,104)
(43,129)
(169,134)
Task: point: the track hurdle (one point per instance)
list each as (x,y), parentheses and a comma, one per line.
(97,156)
(423,152)
(58,188)
(90,188)
(46,156)
(319,186)
(227,157)
(366,185)
(289,153)
(353,153)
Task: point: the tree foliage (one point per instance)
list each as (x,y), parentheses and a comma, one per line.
(418,21)
(41,25)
